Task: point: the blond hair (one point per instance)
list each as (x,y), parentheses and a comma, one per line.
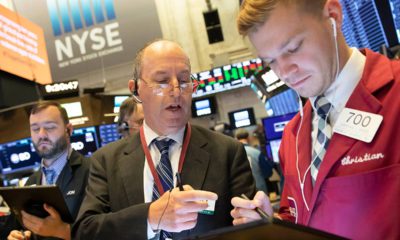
(254,13)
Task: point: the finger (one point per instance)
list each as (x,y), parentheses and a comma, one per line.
(245,213)
(26,217)
(242,203)
(261,200)
(52,211)
(239,221)
(195,195)
(190,207)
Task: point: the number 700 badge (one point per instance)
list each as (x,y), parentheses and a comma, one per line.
(358,124)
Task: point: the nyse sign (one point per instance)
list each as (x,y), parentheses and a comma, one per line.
(88,45)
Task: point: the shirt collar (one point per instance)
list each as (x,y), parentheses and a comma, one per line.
(340,90)
(59,163)
(150,135)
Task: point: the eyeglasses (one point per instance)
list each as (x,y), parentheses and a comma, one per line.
(163,89)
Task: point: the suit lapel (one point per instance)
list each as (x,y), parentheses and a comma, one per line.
(131,167)
(197,160)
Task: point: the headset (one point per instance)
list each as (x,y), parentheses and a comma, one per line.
(135,93)
(302,181)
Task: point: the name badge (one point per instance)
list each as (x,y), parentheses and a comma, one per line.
(357,124)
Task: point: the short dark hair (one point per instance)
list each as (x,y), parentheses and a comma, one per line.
(42,105)
(127,107)
(241,133)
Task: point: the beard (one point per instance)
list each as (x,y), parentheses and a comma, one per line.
(56,148)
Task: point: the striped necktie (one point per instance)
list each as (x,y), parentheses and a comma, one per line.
(50,175)
(164,171)
(322,106)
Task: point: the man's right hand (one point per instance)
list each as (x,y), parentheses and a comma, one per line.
(17,235)
(176,211)
(244,210)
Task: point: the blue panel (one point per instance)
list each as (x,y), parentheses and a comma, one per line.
(98,11)
(76,16)
(109,4)
(87,12)
(63,5)
(395,7)
(53,13)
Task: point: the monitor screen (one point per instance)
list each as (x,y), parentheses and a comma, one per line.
(283,103)
(273,149)
(18,156)
(226,77)
(203,107)
(74,109)
(84,140)
(118,101)
(273,126)
(370,23)
(108,133)
(242,118)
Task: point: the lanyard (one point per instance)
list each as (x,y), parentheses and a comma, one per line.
(150,160)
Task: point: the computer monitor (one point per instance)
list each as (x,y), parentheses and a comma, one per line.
(273,126)
(74,109)
(272,148)
(18,156)
(203,107)
(282,103)
(118,101)
(242,118)
(371,23)
(108,133)
(84,140)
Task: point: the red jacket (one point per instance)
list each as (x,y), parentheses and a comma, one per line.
(357,192)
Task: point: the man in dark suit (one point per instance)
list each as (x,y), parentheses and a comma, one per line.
(61,165)
(129,195)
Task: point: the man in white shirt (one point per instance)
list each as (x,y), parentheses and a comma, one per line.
(131,191)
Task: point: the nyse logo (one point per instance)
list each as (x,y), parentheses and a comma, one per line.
(20,157)
(78,38)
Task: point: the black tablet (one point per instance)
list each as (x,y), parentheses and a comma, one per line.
(260,230)
(31,200)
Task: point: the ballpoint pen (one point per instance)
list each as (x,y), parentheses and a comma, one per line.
(179,181)
(258,210)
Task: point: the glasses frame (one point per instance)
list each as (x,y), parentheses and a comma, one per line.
(163,89)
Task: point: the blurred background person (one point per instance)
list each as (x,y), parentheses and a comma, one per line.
(130,117)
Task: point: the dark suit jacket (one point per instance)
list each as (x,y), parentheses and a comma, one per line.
(72,182)
(114,204)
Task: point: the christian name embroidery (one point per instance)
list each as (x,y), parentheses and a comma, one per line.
(360,159)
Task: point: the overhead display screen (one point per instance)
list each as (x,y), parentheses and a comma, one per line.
(22,48)
(226,77)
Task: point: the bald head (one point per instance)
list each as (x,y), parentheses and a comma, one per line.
(155,47)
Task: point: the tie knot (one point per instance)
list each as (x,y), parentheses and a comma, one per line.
(163,145)
(322,105)
(50,175)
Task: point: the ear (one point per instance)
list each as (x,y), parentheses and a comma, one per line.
(69,129)
(333,9)
(132,86)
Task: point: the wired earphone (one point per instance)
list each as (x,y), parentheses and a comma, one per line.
(302,181)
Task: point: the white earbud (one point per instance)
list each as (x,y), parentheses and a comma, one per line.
(333,22)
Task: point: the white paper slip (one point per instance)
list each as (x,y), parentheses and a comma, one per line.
(210,209)
(358,124)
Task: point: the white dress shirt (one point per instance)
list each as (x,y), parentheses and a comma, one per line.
(340,90)
(174,155)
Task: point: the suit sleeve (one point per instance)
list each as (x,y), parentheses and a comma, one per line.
(97,220)
(241,178)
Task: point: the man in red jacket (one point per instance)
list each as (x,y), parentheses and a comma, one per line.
(339,154)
